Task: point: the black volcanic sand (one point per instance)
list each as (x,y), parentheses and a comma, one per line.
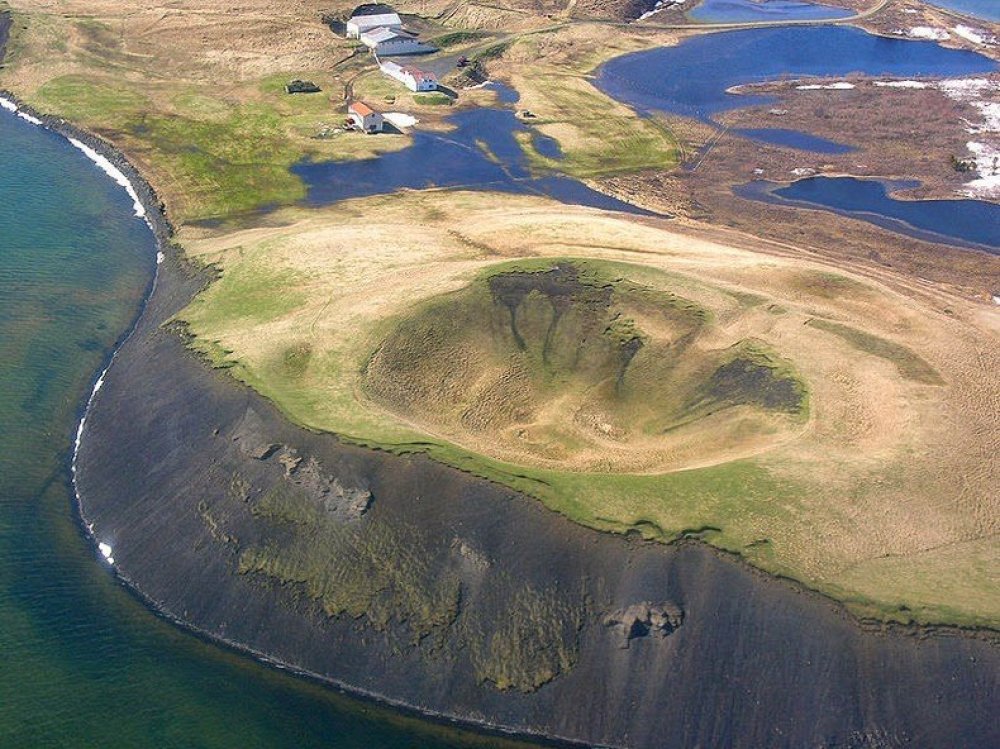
(178,461)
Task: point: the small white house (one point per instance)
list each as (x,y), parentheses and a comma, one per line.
(386,42)
(364,117)
(360,24)
(413,78)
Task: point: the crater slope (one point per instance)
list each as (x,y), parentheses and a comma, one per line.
(568,364)
(833,425)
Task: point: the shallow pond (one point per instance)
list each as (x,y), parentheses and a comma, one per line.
(481,153)
(792,139)
(961,222)
(748,11)
(692,78)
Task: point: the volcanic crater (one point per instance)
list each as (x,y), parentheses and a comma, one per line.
(563,364)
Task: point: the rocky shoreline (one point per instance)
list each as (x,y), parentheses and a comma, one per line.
(191,479)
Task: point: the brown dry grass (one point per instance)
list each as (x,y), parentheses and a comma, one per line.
(891,469)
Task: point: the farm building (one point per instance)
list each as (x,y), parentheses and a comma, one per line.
(364,117)
(383,41)
(411,77)
(360,24)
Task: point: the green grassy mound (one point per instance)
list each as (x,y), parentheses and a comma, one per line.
(565,362)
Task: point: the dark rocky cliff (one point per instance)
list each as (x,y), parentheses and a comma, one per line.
(407,580)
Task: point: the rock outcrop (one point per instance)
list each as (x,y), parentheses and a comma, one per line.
(643,620)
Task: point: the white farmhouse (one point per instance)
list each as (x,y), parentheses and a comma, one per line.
(365,119)
(360,24)
(413,78)
(385,42)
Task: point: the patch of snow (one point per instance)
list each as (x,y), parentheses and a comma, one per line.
(160,257)
(114,172)
(967,88)
(990,111)
(976,36)
(996,299)
(660,5)
(988,167)
(839,86)
(902,84)
(928,32)
(803,171)
(400,120)
(105,550)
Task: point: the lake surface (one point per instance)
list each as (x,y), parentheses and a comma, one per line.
(83,663)
(963,222)
(481,153)
(748,11)
(792,139)
(988,10)
(691,78)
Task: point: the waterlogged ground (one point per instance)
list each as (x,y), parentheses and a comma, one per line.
(84,664)
(481,153)
(693,79)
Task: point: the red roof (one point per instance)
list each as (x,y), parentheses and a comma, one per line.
(360,108)
(418,73)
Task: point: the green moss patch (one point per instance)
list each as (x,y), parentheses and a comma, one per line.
(909,364)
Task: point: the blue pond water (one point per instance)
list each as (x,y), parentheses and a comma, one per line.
(961,222)
(793,139)
(743,11)
(482,153)
(988,10)
(692,77)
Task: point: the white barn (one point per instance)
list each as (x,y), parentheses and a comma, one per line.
(385,42)
(360,24)
(413,78)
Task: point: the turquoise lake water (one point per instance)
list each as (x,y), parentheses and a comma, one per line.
(82,662)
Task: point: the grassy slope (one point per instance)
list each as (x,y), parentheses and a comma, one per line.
(304,345)
(221,158)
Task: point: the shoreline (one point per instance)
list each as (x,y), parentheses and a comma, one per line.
(149,208)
